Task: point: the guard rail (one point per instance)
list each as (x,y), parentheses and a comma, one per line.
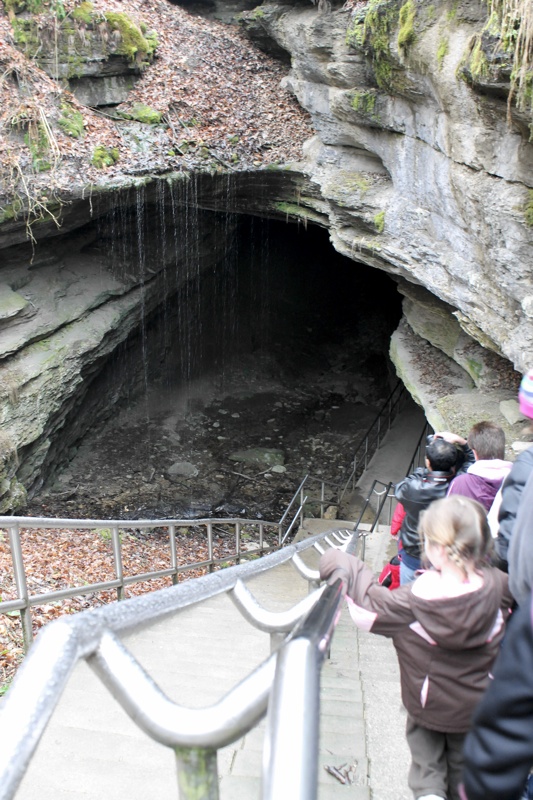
(285,683)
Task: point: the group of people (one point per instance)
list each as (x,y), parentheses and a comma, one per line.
(461,619)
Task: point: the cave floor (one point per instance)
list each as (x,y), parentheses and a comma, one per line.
(171,454)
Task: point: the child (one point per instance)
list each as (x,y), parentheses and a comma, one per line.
(446,627)
(390,574)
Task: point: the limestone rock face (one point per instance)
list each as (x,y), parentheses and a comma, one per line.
(421,175)
(99,55)
(78,303)
(414,168)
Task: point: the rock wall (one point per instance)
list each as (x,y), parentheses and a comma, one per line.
(417,168)
(73,303)
(422,174)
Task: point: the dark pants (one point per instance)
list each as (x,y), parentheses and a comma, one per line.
(436,761)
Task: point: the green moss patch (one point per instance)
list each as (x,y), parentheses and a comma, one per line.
(38,143)
(133,44)
(528,210)
(104,156)
(371,31)
(71,121)
(84,13)
(406,34)
(442,52)
(364,102)
(145,114)
(379,221)
(12,211)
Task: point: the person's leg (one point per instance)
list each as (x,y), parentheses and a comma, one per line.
(455,761)
(407,575)
(428,771)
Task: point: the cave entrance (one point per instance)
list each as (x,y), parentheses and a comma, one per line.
(265,366)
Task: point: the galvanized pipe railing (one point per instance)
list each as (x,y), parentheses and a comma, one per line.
(358,541)
(195,735)
(25,600)
(292,733)
(371,441)
(419,455)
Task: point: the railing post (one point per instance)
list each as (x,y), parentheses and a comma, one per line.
(210,545)
(261,536)
(291,768)
(22,587)
(197,773)
(276,639)
(322,499)
(117,554)
(238,542)
(173,553)
(302,501)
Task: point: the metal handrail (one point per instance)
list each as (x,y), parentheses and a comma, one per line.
(25,601)
(294,713)
(358,540)
(372,439)
(195,734)
(419,453)
(369,443)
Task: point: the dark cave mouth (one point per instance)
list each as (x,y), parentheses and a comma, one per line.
(283,346)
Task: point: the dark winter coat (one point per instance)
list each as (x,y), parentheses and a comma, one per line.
(511,491)
(520,551)
(446,646)
(416,492)
(499,749)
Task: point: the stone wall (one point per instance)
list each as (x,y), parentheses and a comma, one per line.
(422,174)
(416,169)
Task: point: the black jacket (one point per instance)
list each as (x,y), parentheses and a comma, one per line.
(416,492)
(499,749)
(511,493)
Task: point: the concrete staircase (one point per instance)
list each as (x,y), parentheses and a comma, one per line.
(92,750)
(375,667)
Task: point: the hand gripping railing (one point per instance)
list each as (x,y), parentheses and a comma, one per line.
(194,734)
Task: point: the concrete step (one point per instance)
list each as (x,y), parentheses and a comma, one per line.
(92,749)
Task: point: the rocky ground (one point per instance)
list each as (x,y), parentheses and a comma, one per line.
(236,444)
(233,445)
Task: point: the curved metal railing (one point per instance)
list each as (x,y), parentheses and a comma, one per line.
(287,680)
(330,493)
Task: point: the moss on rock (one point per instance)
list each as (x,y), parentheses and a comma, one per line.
(71,121)
(372,30)
(133,44)
(104,156)
(379,221)
(528,210)
(406,34)
(142,113)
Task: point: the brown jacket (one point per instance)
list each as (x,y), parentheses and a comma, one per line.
(445,647)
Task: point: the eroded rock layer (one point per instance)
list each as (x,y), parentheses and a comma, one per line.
(419,166)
